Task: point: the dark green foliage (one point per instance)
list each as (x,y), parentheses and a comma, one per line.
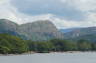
(40,46)
(84,45)
(57,45)
(64,45)
(94,46)
(12,44)
(43,47)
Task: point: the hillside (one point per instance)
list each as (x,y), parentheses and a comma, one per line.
(12,44)
(9,27)
(36,31)
(40,30)
(88,33)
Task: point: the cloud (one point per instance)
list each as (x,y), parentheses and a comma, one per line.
(55,7)
(83,5)
(7,11)
(2,1)
(72,17)
(63,24)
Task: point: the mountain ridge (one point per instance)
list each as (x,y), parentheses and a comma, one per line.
(39,30)
(88,33)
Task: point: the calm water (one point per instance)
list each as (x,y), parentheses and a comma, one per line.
(51,58)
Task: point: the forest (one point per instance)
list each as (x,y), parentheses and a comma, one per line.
(13,45)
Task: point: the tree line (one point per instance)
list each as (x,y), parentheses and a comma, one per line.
(13,45)
(57,45)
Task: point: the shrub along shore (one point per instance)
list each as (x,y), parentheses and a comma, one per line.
(13,45)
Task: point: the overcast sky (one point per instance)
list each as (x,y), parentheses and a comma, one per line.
(63,13)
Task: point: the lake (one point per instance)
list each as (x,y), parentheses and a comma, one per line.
(87,57)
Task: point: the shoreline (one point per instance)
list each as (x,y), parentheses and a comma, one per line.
(71,52)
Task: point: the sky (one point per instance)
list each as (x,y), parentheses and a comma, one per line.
(63,13)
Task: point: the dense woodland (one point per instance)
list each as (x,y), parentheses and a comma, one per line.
(13,45)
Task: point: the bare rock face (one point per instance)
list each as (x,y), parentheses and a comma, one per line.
(36,31)
(7,26)
(40,30)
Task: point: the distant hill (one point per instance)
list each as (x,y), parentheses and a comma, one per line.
(67,30)
(36,31)
(88,33)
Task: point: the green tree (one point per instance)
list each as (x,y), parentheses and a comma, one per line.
(64,45)
(12,44)
(84,45)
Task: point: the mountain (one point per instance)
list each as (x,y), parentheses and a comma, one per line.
(88,33)
(9,27)
(67,30)
(40,30)
(36,31)
(45,30)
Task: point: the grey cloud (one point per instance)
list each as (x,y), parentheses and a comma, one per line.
(56,7)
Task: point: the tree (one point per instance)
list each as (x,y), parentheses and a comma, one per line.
(84,45)
(12,44)
(64,45)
